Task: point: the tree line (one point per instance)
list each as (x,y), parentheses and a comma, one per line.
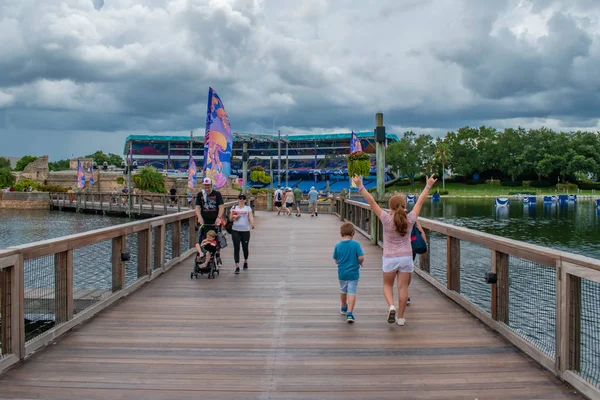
(542,155)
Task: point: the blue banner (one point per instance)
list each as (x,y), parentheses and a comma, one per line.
(192,173)
(80,175)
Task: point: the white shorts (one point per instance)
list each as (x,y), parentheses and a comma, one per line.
(400,264)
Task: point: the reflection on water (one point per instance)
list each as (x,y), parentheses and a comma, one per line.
(27,226)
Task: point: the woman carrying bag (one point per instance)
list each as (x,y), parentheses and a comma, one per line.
(243,223)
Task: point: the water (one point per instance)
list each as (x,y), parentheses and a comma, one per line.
(27,226)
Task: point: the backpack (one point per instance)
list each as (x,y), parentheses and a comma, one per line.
(418,244)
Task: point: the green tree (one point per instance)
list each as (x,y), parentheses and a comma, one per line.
(60,165)
(7,179)
(403,156)
(100,157)
(151,180)
(463,147)
(4,162)
(24,162)
(511,153)
(114,159)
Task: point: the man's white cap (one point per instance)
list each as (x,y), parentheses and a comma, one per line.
(206,181)
(312,188)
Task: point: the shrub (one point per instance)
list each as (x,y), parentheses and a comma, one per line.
(151,180)
(260,176)
(528,192)
(589,185)
(120,180)
(493,182)
(567,187)
(512,184)
(7,179)
(25,184)
(541,184)
(255,191)
(441,192)
(526,183)
(54,188)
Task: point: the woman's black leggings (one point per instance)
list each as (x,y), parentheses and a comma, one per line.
(238,237)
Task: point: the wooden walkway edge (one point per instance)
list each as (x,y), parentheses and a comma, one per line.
(275,332)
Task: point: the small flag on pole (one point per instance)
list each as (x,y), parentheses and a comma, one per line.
(355,144)
(80,175)
(192,173)
(91,175)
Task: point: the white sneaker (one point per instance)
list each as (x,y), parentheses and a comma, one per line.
(401,321)
(391,314)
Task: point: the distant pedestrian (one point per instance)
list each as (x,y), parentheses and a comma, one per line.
(278,198)
(173,198)
(349,257)
(297,200)
(397,249)
(313,198)
(289,201)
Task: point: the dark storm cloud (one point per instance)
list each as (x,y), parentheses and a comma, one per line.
(79,68)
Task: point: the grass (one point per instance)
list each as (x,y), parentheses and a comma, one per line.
(483,190)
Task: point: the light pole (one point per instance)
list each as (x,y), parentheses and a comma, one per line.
(279,157)
(287,161)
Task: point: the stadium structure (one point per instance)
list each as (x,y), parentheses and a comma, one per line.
(306,160)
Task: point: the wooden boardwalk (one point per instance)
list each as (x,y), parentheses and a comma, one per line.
(275,332)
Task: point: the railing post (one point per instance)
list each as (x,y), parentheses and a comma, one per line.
(574,322)
(343,206)
(118,266)
(192,231)
(176,238)
(12,308)
(425,258)
(63,286)
(159,246)
(453,263)
(164,201)
(144,252)
(374,230)
(500,288)
(152,203)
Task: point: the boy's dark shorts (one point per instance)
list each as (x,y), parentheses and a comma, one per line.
(277,204)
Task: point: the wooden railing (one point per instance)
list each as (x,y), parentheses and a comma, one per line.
(141,204)
(48,287)
(546,302)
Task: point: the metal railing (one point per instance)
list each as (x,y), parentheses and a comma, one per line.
(545,302)
(48,287)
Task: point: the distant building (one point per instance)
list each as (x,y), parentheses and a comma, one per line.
(85,163)
(322,155)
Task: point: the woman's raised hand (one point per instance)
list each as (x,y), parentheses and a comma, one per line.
(431,181)
(357,180)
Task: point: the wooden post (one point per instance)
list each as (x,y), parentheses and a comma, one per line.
(192,231)
(373,231)
(500,290)
(63,286)
(425,257)
(453,263)
(164,200)
(152,203)
(12,308)
(118,266)
(144,252)
(574,318)
(159,247)
(176,238)
(342,208)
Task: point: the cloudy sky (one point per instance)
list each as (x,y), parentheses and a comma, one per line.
(80,75)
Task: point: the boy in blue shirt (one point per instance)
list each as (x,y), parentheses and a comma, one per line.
(349,257)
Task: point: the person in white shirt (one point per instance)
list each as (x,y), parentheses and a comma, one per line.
(313,197)
(243,223)
(278,199)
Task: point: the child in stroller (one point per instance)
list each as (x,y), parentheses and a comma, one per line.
(209,245)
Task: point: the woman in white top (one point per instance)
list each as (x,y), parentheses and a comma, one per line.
(397,250)
(243,222)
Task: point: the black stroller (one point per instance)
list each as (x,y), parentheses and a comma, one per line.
(214,260)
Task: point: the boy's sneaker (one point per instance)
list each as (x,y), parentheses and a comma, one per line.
(245,265)
(401,321)
(408,302)
(343,309)
(237,270)
(391,315)
(350,318)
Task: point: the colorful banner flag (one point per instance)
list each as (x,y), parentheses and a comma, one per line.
(355,144)
(192,173)
(218,142)
(80,175)
(91,175)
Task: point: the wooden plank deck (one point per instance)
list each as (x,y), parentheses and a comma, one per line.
(275,332)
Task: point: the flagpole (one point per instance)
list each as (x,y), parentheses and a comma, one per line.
(279,157)
(287,161)
(129,199)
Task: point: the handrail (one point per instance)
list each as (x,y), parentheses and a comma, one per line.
(455,265)
(38,280)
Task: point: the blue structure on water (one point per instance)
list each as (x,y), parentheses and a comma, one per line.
(501,202)
(435,198)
